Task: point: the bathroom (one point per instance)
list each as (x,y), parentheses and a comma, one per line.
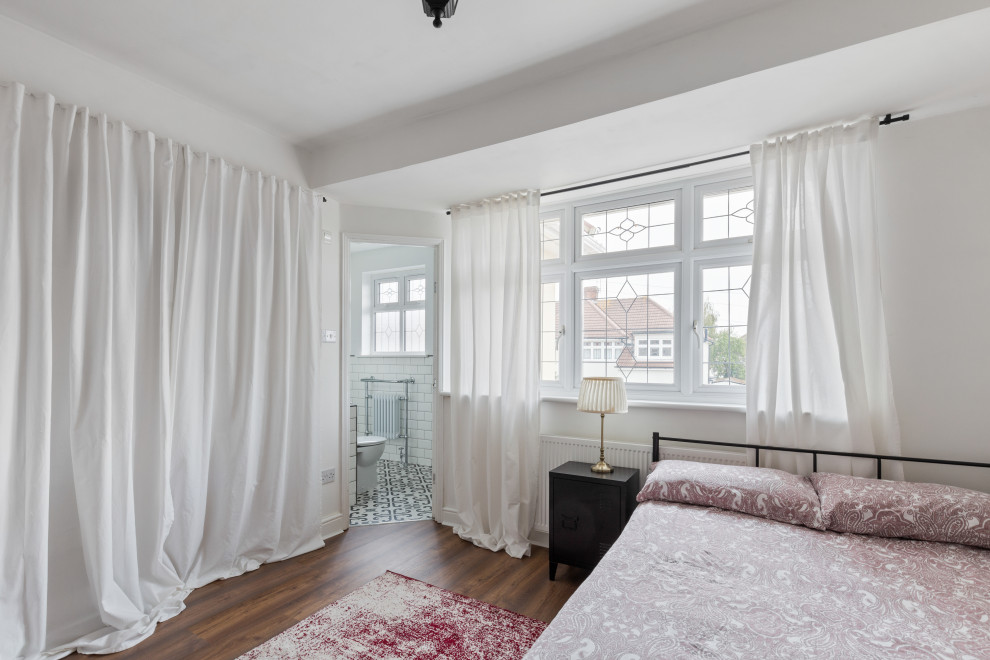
(391,367)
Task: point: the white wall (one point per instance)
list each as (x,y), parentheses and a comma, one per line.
(330,414)
(45,64)
(932,178)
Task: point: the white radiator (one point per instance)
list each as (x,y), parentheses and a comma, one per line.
(555,450)
(385,413)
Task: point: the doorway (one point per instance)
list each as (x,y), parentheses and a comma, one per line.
(390,359)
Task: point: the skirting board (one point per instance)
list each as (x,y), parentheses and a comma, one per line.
(333,525)
(449,517)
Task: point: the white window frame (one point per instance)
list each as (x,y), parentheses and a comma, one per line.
(686,259)
(401,306)
(632,389)
(700,264)
(659,196)
(560,296)
(719,186)
(559,217)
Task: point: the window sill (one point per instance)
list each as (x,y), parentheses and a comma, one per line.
(711,406)
(393,355)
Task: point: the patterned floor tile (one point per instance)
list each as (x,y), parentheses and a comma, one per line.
(404,494)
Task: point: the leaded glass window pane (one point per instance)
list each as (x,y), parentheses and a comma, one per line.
(727,214)
(629,228)
(415,330)
(416,289)
(725,304)
(388,292)
(549,327)
(625,321)
(387,333)
(550,239)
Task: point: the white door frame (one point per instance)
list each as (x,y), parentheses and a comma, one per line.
(345,358)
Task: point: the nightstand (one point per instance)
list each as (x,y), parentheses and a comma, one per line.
(587,512)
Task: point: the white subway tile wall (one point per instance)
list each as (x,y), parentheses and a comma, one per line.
(420,404)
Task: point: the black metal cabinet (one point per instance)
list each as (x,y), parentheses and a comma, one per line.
(588,512)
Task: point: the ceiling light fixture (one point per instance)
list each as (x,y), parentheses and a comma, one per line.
(439,9)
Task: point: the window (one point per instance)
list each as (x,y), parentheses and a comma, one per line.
(643,226)
(657,287)
(626,315)
(725,307)
(549,328)
(399,313)
(727,214)
(550,237)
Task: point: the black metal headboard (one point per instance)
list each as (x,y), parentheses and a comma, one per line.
(879,458)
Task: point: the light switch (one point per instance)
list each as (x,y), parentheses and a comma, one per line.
(328,237)
(329,336)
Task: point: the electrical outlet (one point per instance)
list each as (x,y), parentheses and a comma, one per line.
(329,476)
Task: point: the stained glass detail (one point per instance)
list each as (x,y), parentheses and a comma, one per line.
(387,336)
(725,304)
(415,330)
(627,321)
(416,289)
(388,292)
(728,214)
(629,228)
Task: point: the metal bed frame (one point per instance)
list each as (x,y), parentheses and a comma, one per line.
(879,458)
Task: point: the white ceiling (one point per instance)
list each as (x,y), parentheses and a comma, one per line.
(309,69)
(385,110)
(912,71)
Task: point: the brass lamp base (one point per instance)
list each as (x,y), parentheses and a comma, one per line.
(602,467)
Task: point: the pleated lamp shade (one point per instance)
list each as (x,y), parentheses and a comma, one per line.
(602,395)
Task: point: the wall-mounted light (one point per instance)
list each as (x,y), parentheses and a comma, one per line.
(439,9)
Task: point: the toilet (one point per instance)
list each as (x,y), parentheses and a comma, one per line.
(369,449)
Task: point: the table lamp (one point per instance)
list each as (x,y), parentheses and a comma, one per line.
(602,395)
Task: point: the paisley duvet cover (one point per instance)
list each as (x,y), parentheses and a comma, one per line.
(686,581)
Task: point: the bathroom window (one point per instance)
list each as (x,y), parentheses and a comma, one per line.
(398,313)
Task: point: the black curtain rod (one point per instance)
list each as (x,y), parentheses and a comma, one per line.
(617,179)
(886,121)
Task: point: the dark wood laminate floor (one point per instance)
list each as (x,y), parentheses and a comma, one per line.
(229,617)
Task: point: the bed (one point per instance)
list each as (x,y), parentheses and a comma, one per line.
(750,571)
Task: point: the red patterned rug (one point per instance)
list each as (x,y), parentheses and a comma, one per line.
(397,617)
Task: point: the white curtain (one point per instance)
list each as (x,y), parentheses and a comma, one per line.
(158,315)
(816,351)
(495,401)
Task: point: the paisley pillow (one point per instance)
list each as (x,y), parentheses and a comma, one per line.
(763,492)
(928,512)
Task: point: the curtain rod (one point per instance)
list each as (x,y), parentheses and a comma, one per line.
(886,121)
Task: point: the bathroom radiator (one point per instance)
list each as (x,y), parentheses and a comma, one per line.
(384,409)
(556,450)
(385,413)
